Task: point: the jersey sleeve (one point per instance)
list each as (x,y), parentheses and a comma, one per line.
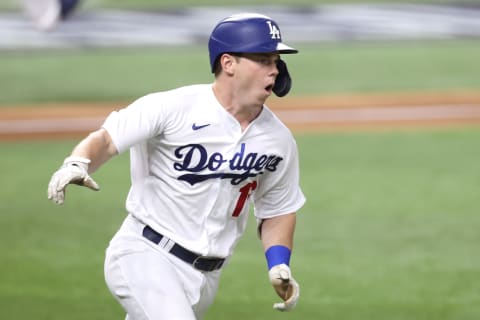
(280,192)
(141,120)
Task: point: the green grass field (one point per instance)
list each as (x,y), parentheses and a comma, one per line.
(105,75)
(390,231)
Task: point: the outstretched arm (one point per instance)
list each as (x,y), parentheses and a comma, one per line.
(86,157)
(98,147)
(277,239)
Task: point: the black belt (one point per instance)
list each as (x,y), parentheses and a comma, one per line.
(199,262)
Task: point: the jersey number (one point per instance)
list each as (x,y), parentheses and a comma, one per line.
(244,194)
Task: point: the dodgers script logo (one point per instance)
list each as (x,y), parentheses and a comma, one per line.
(195,158)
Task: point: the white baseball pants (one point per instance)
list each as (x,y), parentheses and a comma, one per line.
(152,284)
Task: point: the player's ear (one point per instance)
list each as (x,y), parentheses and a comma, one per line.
(228,62)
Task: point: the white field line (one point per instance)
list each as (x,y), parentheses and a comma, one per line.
(297,117)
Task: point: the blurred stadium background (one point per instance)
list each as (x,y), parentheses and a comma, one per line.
(390,229)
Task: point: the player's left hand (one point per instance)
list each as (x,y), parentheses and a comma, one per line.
(285,286)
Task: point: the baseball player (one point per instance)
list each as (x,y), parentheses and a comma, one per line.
(199,156)
(46,14)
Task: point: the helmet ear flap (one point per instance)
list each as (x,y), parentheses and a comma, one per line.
(283,83)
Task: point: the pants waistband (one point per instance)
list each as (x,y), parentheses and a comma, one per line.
(202,263)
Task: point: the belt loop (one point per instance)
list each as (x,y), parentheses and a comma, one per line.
(166,243)
(202,263)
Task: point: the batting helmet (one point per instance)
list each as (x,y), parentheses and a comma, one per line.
(251,33)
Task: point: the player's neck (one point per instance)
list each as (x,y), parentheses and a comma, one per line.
(241,110)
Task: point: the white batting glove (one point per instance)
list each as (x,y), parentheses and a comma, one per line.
(73,171)
(285,286)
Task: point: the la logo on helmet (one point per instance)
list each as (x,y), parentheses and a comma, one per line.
(274,32)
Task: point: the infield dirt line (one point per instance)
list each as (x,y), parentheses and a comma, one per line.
(379,114)
(321,113)
(293,118)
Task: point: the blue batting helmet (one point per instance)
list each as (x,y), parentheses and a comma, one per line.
(251,33)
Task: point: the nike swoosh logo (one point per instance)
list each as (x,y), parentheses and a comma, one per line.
(195,127)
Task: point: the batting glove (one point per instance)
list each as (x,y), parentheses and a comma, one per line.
(285,286)
(73,171)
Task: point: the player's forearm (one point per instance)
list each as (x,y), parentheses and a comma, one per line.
(277,239)
(278,231)
(98,147)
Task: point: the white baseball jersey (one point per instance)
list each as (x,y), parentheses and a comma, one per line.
(194,172)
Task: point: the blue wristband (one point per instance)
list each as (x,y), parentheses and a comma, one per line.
(277,255)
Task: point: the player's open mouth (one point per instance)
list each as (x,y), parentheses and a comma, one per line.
(269,88)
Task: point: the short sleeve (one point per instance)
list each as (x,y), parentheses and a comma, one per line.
(280,192)
(138,122)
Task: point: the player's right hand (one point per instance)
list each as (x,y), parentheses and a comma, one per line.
(285,286)
(73,171)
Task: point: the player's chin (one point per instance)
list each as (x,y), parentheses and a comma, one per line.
(261,95)
(262,98)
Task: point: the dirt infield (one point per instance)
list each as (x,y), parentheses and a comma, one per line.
(301,114)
